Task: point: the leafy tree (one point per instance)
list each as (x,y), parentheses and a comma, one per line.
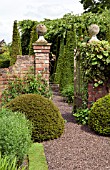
(16,43)
(94,5)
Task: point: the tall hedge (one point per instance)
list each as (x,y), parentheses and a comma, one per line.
(67,66)
(33,38)
(16,43)
(59,62)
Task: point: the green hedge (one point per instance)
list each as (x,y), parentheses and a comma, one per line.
(45,116)
(99,116)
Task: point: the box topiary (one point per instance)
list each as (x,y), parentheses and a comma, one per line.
(45,116)
(99,116)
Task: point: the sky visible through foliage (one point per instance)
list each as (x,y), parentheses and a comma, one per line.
(34,10)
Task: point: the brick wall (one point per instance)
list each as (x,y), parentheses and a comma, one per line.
(24,64)
(95,93)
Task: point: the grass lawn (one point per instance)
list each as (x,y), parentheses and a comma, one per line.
(37,159)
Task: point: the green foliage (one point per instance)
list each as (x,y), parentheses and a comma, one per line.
(68,92)
(95,6)
(99,116)
(4,63)
(58,27)
(26,27)
(16,43)
(95,61)
(15,134)
(28,84)
(33,38)
(81,116)
(37,157)
(59,62)
(47,120)
(5,57)
(68,61)
(7,164)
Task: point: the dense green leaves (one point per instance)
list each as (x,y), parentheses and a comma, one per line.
(58,28)
(33,39)
(81,116)
(95,61)
(16,43)
(28,84)
(15,134)
(45,116)
(99,116)
(95,6)
(25,27)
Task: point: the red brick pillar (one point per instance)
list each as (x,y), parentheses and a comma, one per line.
(42,59)
(95,93)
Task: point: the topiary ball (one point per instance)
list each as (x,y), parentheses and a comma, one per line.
(99,116)
(45,116)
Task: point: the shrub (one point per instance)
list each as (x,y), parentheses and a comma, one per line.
(81,116)
(15,134)
(28,84)
(68,92)
(47,120)
(99,116)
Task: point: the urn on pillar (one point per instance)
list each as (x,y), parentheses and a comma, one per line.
(41,30)
(93,31)
(42,49)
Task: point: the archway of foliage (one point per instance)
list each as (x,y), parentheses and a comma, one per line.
(59,32)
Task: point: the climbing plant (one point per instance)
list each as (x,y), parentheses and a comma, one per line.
(95,61)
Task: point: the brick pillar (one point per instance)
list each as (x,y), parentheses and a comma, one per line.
(95,93)
(42,59)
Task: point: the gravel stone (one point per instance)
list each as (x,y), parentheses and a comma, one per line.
(78,148)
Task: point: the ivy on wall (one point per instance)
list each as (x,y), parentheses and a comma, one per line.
(95,61)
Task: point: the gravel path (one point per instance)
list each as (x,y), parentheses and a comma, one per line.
(78,148)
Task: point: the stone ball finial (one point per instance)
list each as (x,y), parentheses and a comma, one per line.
(41,30)
(93,31)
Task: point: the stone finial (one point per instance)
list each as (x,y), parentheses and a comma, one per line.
(41,30)
(93,31)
